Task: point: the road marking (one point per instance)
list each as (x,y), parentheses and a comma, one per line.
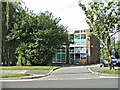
(92,71)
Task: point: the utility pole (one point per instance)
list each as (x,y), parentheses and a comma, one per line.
(0,32)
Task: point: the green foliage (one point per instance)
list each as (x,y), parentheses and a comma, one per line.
(28,67)
(13,75)
(109,71)
(20,50)
(117,48)
(102,20)
(39,36)
(8,19)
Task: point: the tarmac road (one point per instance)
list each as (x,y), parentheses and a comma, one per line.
(81,83)
(71,73)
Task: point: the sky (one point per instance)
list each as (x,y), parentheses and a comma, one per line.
(69,11)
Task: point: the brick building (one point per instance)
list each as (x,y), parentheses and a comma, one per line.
(84,49)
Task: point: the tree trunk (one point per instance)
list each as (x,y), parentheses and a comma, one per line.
(109,55)
(67,54)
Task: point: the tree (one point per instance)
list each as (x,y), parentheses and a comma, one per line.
(103,19)
(39,36)
(8,19)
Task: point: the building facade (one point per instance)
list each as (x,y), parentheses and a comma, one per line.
(83,49)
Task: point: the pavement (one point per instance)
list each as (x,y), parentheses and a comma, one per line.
(65,70)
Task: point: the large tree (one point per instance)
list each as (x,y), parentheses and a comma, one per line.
(40,35)
(103,19)
(8,18)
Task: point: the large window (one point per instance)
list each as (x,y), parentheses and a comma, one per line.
(60,56)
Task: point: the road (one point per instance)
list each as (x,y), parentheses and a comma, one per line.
(82,83)
(68,77)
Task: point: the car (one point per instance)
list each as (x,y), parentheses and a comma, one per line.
(115,62)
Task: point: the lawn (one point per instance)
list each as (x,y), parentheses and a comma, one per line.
(12,75)
(28,67)
(109,71)
(23,68)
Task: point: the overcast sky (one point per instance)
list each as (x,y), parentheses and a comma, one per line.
(68,10)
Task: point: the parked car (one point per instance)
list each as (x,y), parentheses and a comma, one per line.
(115,62)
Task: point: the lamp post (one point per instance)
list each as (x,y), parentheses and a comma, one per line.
(0,37)
(0,31)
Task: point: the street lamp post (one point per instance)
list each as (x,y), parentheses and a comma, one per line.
(0,31)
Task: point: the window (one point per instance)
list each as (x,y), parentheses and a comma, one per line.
(77,56)
(83,36)
(77,36)
(58,57)
(77,50)
(54,58)
(71,49)
(83,56)
(63,57)
(83,50)
(77,31)
(81,31)
(71,36)
(84,31)
(63,49)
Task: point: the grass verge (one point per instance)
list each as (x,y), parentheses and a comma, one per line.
(109,71)
(12,75)
(28,67)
